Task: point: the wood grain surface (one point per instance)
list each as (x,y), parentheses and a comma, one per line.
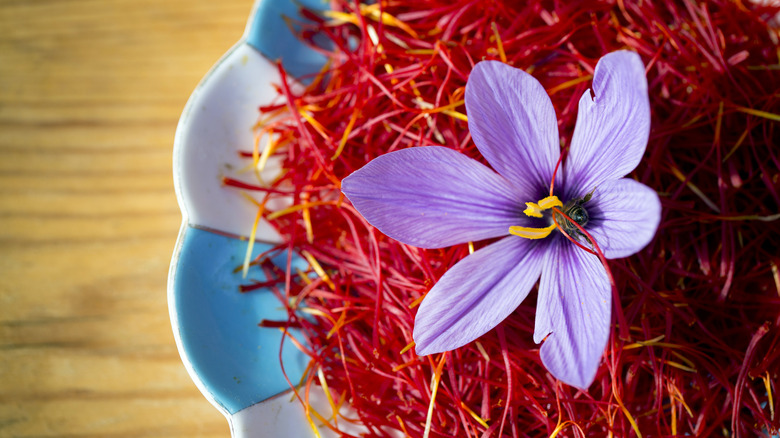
(90,94)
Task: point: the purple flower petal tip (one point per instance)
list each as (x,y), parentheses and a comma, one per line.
(612,126)
(574,309)
(513,124)
(558,362)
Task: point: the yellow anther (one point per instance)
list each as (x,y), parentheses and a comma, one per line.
(533,210)
(550,202)
(531,233)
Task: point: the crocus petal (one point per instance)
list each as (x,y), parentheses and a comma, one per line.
(612,128)
(624,217)
(512,122)
(574,308)
(432,197)
(477,293)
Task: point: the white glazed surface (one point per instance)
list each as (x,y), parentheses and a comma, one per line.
(216,123)
(283,416)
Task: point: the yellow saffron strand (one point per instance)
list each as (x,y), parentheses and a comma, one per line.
(324,385)
(564,425)
(341,323)
(768,384)
(308,226)
(306,214)
(256,148)
(679,397)
(719,123)
(262,159)
(403,426)
(372,11)
(625,411)
(318,268)
(568,84)
(315,124)
(474,415)
(531,233)
(679,175)
(434,388)
(317,312)
(736,145)
(499,44)
(347,131)
(251,243)
(341,17)
(683,358)
(297,207)
(679,366)
(759,113)
(416,302)
(319,418)
(421,51)
(482,351)
(431,109)
(302,275)
(407,348)
(674,415)
(648,343)
(398,368)
(456,115)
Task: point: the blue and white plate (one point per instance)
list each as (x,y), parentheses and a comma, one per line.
(234,363)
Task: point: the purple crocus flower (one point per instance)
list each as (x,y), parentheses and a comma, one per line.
(434,197)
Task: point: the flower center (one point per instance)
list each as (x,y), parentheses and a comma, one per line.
(573,209)
(535,209)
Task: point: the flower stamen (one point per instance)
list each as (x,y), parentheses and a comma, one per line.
(535,209)
(530,232)
(550,202)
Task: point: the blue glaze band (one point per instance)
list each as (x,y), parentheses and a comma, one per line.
(270,34)
(237,361)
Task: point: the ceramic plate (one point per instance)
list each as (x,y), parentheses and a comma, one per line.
(234,363)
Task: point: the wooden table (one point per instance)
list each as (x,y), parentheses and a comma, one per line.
(90,94)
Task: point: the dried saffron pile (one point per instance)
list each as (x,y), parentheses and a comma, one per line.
(699,353)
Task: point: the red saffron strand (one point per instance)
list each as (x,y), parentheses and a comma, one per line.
(555,172)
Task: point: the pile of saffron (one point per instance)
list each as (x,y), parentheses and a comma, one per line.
(694,346)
